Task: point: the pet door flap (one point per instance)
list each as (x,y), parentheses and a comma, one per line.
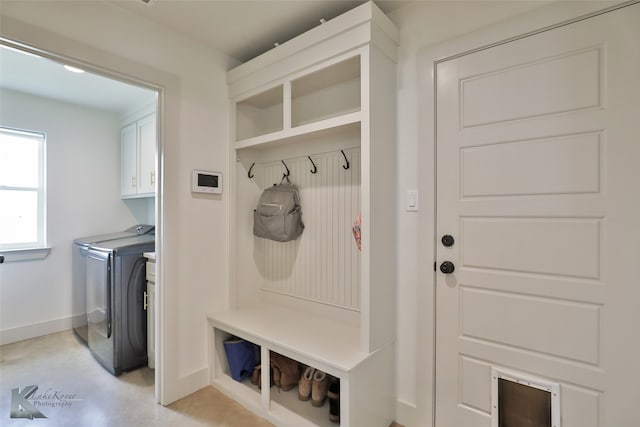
(519,400)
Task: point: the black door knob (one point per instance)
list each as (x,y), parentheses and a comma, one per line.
(447,267)
(447,240)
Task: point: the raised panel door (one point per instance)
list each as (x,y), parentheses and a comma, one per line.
(537,182)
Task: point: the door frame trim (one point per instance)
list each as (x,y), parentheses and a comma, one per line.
(531,23)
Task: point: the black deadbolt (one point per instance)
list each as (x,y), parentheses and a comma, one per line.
(447,240)
(447,267)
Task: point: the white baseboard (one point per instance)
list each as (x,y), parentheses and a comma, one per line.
(186,385)
(34,330)
(406,414)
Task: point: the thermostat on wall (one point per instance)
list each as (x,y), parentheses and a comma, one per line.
(206,182)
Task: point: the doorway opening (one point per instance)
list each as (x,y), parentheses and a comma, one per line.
(85,166)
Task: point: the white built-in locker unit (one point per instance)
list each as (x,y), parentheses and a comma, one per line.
(322,102)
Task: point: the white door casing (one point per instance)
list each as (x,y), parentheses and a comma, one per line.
(537,181)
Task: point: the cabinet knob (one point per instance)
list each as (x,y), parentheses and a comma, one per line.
(153,177)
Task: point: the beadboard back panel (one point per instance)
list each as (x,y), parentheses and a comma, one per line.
(323,265)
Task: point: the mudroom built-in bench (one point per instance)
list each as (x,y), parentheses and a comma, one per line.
(319,109)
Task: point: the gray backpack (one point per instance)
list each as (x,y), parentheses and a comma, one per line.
(278,215)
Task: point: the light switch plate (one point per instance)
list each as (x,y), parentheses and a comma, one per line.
(412,204)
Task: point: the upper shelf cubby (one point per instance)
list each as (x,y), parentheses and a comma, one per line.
(260,114)
(327,97)
(330,92)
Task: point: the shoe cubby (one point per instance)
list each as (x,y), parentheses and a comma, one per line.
(366,379)
(288,402)
(322,107)
(315,409)
(274,402)
(221,371)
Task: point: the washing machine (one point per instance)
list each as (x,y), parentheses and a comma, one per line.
(116,316)
(79,273)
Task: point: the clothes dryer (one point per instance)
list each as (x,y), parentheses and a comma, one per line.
(79,273)
(116,283)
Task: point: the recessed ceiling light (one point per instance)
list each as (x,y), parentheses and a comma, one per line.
(73,69)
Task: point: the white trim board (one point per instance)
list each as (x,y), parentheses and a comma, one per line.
(34,330)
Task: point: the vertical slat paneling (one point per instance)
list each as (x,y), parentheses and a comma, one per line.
(323,265)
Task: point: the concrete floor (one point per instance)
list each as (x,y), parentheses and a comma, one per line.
(59,365)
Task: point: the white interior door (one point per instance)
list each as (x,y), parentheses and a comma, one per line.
(538,183)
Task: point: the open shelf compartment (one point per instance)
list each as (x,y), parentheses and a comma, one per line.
(222,374)
(289,401)
(281,404)
(260,114)
(330,92)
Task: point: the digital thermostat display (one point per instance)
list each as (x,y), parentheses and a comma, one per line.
(210,181)
(206,182)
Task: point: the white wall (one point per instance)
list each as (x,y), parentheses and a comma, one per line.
(83,198)
(192,258)
(423,24)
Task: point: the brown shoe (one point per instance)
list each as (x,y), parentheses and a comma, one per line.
(275,371)
(255,376)
(289,370)
(304,386)
(319,388)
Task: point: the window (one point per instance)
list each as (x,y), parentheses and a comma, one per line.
(22,189)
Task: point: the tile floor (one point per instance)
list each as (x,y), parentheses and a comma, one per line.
(59,364)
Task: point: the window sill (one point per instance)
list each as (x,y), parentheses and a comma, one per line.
(25,254)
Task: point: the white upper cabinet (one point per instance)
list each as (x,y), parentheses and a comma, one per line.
(129,160)
(138,153)
(147,154)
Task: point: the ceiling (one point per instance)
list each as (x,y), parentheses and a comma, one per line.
(241,29)
(43,77)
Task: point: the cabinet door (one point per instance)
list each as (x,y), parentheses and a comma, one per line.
(151,321)
(147,154)
(129,161)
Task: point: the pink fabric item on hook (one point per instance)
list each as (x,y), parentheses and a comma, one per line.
(356,231)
